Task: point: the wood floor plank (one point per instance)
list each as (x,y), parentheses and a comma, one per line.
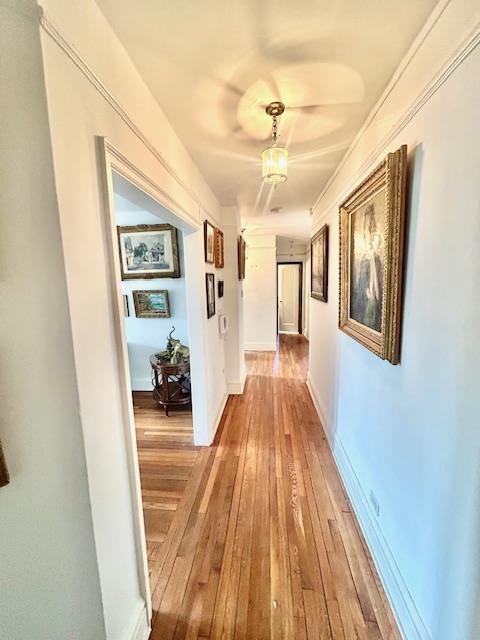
(253,538)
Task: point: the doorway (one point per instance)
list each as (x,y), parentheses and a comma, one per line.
(289,297)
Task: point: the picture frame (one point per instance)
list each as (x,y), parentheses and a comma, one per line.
(126,306)
(372,230)
(319,265)
(148,251)
(210,287)
(209,241)
(241,257)
(151,303)
(219,249)
(4,475)
(220,288)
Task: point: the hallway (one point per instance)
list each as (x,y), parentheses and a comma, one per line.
(263,543)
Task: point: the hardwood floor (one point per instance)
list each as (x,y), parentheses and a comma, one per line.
(262,542)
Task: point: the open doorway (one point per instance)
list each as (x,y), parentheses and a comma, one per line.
(289,297)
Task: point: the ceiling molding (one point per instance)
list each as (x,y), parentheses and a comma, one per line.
(431,87)
(54,33)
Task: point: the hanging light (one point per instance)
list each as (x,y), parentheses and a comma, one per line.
(275,158)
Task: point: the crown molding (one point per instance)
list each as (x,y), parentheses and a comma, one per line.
(437,80)
(54,33)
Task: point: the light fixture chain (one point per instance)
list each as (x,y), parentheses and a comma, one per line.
(274,129)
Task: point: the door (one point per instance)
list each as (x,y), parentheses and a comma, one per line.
(288,298)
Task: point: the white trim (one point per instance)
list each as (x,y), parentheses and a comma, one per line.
(54,33)
(140,628)
(437,80)
(219,416)
(260,346)
(403,606)
(235,388)
(141,384)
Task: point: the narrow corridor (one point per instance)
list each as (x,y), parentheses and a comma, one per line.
(262,542)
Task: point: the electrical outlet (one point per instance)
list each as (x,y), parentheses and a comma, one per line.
(375,504)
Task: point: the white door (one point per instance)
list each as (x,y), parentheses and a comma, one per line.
(288,297)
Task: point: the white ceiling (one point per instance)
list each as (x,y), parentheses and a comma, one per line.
(213,64)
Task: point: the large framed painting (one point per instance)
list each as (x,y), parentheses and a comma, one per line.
(210,284)
(151,304)
(372,221)
(319,265)
(219,249)
(241,258)
(148,251)
(209,241)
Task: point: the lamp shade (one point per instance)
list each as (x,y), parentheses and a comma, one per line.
(275,165)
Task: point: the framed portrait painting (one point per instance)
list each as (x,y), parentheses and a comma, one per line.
(319,265)
(372,221)
(219,249)
(148,251)
(209,241)
(151,304)
(210,285)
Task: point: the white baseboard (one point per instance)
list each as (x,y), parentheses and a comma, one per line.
(236,388)
(406,614)
(260,346)
(219,417)
(140,629)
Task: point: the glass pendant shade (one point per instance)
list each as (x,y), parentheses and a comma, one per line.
(275,165)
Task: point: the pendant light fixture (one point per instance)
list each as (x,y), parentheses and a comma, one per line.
(275,158)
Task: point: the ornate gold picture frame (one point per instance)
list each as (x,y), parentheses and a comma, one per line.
(219,249)
(372,221)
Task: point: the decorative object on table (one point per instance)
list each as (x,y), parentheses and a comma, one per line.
(220,288)
(171,383)
(126,307)
(209,241)
(148,251)
(219,249)
(4,475)
(241,258)
(319,265)
(210,286)
(151,304)
(175,352)
(372,221)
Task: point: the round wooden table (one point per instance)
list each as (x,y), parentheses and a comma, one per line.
(171,383)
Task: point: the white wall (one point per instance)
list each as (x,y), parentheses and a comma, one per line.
(410,433)
(149,335)
(93,89)
(259,293)
(49,583)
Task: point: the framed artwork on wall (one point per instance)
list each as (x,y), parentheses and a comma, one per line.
(210,285)
(219,249)
(148,251)
(4,475)
(220,288)
(209,240)
(241,258)
(372,221)
(151,304)
(126,306)
(319,265)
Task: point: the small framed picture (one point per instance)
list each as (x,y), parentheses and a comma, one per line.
(210,284)
(220,288)
(241,258)
(148,251)
(209,240)
(219,249)
(151,304)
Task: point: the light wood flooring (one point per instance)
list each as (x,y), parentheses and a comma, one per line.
(254,538)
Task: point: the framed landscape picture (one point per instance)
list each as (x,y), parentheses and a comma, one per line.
(210,284)
(148,251)
(319,265)
(372,221)
(220,288)
(209,241)
(219,249)
(151,304)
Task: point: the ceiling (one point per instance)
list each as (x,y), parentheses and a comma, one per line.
(212,65)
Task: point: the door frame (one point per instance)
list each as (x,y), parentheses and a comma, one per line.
(300,292)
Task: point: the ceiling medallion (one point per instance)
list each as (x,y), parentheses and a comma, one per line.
(275,158)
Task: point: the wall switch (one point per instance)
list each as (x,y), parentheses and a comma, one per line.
(375,504)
